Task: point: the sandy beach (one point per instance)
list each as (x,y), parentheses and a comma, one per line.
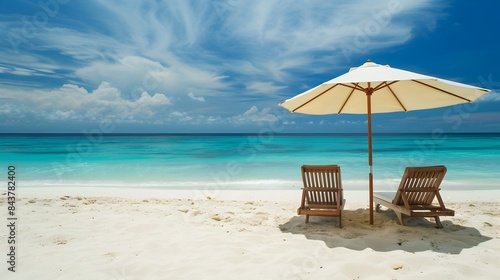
(91,233)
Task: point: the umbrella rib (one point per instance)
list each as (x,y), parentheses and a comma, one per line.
(347,99)
(354,87)
(442,90)
(383,85)
(395,96)
(310,100)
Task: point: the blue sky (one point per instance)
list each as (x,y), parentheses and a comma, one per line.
(225,65)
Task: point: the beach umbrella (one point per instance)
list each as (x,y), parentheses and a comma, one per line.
(374,88)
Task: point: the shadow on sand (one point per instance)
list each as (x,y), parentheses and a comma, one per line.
(386,234)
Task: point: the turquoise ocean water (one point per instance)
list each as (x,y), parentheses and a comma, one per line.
(243,161)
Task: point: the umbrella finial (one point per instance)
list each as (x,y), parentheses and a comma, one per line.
(368,60)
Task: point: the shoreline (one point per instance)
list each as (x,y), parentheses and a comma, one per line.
(249,185)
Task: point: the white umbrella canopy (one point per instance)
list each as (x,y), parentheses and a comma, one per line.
(394,90)
(373,88)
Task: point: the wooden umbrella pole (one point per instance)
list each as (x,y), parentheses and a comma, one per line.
(369,92)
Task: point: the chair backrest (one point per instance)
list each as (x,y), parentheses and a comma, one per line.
(322,183)
(420,185)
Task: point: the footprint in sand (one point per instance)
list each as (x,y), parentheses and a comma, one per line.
(60,241)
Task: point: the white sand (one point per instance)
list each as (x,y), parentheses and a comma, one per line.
(135,234)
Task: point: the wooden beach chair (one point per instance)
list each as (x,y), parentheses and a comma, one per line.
(322,192)
(415,195)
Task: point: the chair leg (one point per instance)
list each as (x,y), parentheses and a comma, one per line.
(340,221)
(307,219)
(400,218)
(438,222)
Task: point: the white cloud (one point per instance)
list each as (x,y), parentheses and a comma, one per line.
(254,115)
(196,42)
(347,122)
(264,87)
(285,37)
(213,119)
(81,45)
(60,115)
(12,111)
(27,65)
(71,102)
(196,98)
(133,74)
(74,103)
(181,116)
(132,49)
